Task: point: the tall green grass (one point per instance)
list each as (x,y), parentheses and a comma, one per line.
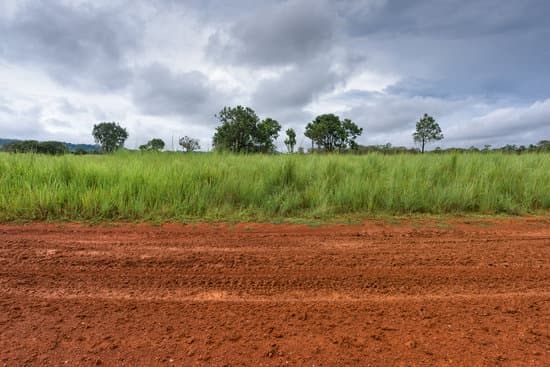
(174,187)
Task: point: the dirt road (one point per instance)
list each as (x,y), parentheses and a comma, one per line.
(461,293)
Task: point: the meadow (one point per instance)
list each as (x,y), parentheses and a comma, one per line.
(167,186)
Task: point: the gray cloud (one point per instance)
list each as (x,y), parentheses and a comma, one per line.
(464,122)
(387,113)
(509,124)
(489,48)
(79,45)
(447,19)
(21,123)
(281,34)
(493,67)
(296,87)
(69,108)
(159,91)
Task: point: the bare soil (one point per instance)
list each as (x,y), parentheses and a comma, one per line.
(464,292)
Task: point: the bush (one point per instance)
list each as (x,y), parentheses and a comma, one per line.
(33,146)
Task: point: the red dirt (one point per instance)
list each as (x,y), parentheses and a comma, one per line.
(463,293)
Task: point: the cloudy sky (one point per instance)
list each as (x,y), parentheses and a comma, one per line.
(164,68)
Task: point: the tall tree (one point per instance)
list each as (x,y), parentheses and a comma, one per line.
(329,133)
(110,135)
(189,144)
(427,130)
(290,141)
(242,131)
(153,145)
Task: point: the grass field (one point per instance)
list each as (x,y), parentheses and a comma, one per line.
(178,187)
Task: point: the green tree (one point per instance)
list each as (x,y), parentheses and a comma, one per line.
(543,146)
(153,145)
(266,133)
(189,144)
(427,130)
(290,141)
(350,133)
(110,135)
(329,133)
(241,131)
(25,146)
(33,146)
(53,148)
(315,131)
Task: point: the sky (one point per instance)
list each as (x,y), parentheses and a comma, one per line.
(164,68)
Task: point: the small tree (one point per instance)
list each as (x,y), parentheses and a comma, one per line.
(189,144)
(110,135)
(290,141)
(427,130)
(153,145)
(543,146)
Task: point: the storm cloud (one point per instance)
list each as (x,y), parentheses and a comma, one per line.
(279,34)
(165,68)
(159,91)
(75,44)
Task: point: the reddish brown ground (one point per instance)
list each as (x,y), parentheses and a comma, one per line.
(379,294)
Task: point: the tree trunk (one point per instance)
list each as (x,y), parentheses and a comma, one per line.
(423,143)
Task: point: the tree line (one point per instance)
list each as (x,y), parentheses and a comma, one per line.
(34,146)
(241,130)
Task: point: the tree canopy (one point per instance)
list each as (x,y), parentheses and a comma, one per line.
(241,131)
(110,135)
(189,144)
(33,146)
(427,130)
(153,145)
(330,133)
(290,141)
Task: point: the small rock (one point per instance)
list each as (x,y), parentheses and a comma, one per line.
(411,344)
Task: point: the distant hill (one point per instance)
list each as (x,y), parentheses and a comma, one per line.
(72,147)
(87,147)
(6,141)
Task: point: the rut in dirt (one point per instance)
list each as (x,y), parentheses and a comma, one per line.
(463,292)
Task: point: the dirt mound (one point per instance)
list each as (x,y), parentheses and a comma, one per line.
(461,293)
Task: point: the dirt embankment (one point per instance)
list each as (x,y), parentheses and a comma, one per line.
(428,294)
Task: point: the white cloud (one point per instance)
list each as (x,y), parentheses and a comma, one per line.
(511,124)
